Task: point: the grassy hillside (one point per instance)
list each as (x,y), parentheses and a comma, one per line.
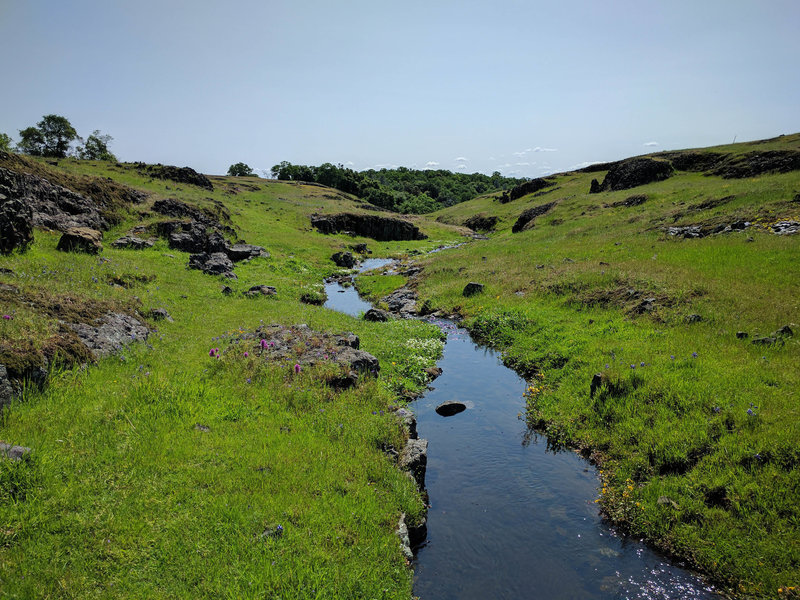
(165,472)
(696,428)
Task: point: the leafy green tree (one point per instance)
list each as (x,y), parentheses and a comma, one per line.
(5,142)
(240,170)
(52,136)
(419,204)
(96,147)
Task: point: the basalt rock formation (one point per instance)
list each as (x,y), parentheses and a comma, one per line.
(383,229)
(177,174)
(526,218)
(635,172)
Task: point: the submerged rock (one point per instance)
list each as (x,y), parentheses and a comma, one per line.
(450,408)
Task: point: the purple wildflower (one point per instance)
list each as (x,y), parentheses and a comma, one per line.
(211,353)
(296,368)
(750,412)
(633,366)
(672,357)
(263,344)
(641,364)
(694,354)
(246,354)
(7,317)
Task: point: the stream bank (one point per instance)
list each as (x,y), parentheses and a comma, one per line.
(508,517)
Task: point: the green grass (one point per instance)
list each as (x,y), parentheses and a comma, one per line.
(124,497)
(684,463)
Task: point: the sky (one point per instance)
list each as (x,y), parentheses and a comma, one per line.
(526,88)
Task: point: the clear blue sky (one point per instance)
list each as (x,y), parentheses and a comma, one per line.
(523,87)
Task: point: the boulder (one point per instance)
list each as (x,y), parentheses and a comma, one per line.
(383,229)
(376,315)
(344,259)
(525,219)
(402,301)
(450,408)
(216,263)
(634,172)
(414,459)
(239,252)
(12,452)
(81,239)
(784,331)
(594,187)
(348,339)
(195,240)
(472,288)
(433,372)
(132,243)
(261,290)
(359,248)
(16,225)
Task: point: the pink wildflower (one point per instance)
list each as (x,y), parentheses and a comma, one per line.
(296,368)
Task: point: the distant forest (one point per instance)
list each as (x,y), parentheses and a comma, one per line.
(401,190)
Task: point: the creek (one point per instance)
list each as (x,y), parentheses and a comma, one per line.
(509,517)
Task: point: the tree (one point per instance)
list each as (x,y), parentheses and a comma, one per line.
(240,170)
(5,142)
(96,147)
(52,136)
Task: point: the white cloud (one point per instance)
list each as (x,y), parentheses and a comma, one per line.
(583,164)
(492,158)
(522,164)
(461,159)
(520,154)
(431,163)
(651,143)
(540,149)
(349,163)
(461,167)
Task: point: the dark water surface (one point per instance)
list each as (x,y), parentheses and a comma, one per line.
(508,518)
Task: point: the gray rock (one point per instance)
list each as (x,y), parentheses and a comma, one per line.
(450,408)
(376,315)
(694,318)
(15,453)
(202,428)
(784,331)
(433,372)
(742,335)
(402,301)
(348,339)
(52,206)
(764,341)
(227,290)
(132,242)
(344,259)
(216,263)
(261,290)
(414,459)
(7,392)
(405,542)
(160,314)
(408,421)
(16,224)
(81,239)
(112,334)
(472,288)
(527,217)
(238,252)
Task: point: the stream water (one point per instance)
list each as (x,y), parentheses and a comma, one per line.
(510,518)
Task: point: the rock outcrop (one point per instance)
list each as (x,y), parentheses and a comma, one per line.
(177,174)
(635,172)
(16,224)
(384,229)
(526,218)
(523,189)
(52,206)
(481,222)
(344,259)
(110,334)
(132,242)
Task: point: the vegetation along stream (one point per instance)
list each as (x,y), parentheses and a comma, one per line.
(509,517)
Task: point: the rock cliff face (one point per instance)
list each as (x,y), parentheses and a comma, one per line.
(16,225)
(177,174)
(383,229)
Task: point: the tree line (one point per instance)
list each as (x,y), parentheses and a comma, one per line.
(402,189)
(54,137)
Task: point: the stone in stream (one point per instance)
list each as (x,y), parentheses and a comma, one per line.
(414,459)
(433,372)
(472,288)
(450,408)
